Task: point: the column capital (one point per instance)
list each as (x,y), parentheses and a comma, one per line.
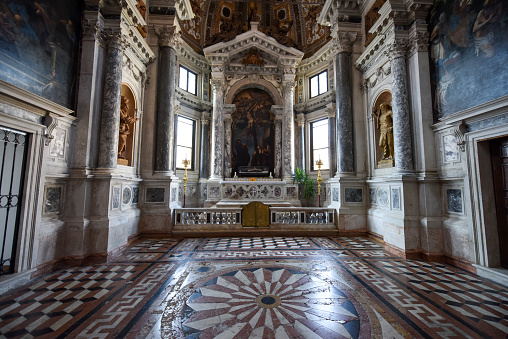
(418,42)
(91,29)
(218,85)
(344,42)
(300,119)
(168,36)
(205,118)
(397,48)
(288,86)
(331,111)
(114,39)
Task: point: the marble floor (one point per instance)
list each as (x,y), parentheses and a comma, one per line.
(273,287)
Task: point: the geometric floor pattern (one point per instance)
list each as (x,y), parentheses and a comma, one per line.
(260,287)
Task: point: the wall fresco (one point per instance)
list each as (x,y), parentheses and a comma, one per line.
(469,49)
(38,47)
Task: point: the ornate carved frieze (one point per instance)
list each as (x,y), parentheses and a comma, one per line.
(167,36)
(344,42)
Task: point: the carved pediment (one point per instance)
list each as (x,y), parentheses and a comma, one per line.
(274,55)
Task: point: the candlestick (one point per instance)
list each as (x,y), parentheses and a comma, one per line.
(185,178)
(319,163)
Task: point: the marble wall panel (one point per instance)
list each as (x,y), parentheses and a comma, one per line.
(372,196)
(135,195)
(353,194)
(57,145)
(126,195)
(382,196)
(155,194)
(451,149)
(454,198)
(116,198)
(53,199)
(396,198)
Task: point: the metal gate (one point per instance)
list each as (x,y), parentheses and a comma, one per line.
(13,146)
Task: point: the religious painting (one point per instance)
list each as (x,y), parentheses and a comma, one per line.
(39,47)
(468,51)
(252,132)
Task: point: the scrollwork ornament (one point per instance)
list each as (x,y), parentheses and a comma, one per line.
(50,123)
(344,42)
(397,49)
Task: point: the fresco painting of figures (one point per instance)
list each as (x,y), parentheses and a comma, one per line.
(38,46)
(252,132)
(469,53)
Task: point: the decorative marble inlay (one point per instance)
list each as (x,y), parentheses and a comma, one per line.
(382,196)
(52,200)
(353,194)
(269,303)
(451,149)
(335,194)
(292,192)
(214,192)
(58,144)
(174,194)
(259,191)
(135,195)
(454,197)
(155,194)
(116,197)
(126,195)
(396,198)
(372,194)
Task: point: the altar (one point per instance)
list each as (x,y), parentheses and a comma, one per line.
(241,191)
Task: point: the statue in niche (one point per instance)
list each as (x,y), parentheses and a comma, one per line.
(125,121)
(384,122)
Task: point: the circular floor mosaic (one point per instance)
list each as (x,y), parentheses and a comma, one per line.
(269,303)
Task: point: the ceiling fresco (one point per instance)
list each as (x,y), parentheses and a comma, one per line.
(292,24)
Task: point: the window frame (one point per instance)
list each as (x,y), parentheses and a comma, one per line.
(318,89)
(311,142)
(193,147)
(196,82)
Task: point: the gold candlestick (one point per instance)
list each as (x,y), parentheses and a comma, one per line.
(319,163)
(185,163)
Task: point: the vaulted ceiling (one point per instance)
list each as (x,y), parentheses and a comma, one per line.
(213,18)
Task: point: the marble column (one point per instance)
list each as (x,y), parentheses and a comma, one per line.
(300,120)
(278,145)
(332,139)
(205,130)
(227,145)
(288,130)
(403,150)
(217,153)
(343,45)
(168,39)
(110,119)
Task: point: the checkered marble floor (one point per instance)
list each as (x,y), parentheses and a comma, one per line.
(273,287)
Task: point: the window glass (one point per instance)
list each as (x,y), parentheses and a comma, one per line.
(184,142)
(319,140)
(319,84)
(187,80)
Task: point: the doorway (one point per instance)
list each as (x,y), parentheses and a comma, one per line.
(499,151)
(13,147)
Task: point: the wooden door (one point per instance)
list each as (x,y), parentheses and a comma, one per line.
(499,151)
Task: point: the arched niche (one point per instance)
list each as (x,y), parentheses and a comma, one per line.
(262,84)
(127,131)
(253,130)
(384,97)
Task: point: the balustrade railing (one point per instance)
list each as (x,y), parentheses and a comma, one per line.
(233,216)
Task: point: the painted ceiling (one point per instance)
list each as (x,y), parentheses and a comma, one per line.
(292,23)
